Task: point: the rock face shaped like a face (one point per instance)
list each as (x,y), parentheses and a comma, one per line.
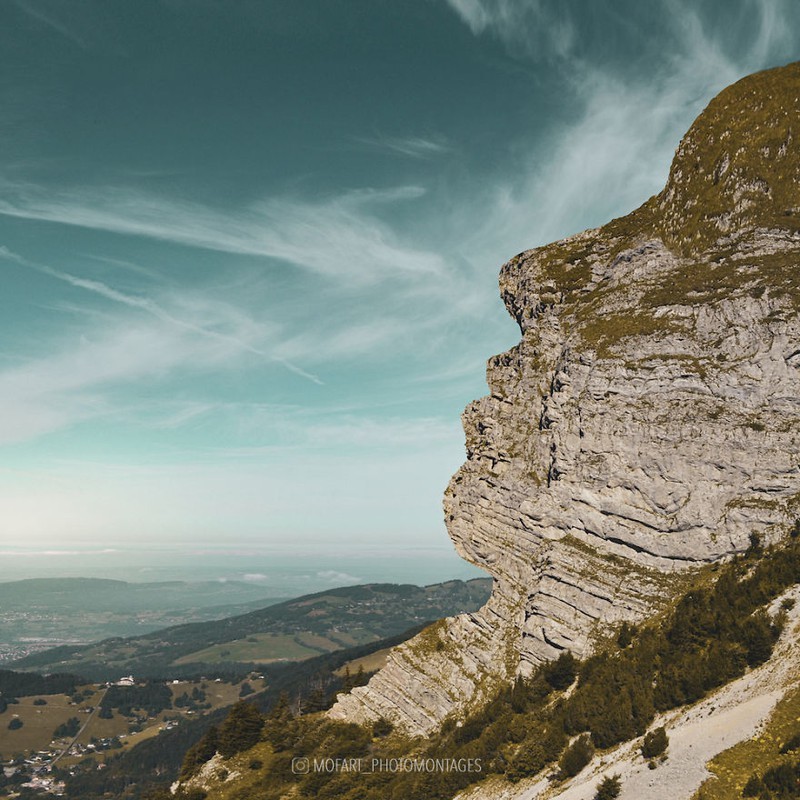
(647,422)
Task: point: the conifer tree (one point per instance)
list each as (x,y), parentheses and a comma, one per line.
(561,673)
(655,743)
(315,701)
(347,680)
(203,751)
(609,788)
(281,728)
(241,730)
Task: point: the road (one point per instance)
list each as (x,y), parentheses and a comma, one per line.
(82,729)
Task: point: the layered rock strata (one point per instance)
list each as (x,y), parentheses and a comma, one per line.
(647,422)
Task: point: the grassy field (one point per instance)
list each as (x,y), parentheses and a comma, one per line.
(218,694)
(322,644)
(353,637)
(39,722)
(260,648)
(267,648)
(323,600)
(371,663)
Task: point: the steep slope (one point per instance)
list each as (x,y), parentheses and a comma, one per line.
(709,668)
(731,717)
(647,422)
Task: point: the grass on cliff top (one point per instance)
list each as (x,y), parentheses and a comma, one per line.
(566,265)
(774,276)
(605,332)
(728,272)
(738,166)
(737,170)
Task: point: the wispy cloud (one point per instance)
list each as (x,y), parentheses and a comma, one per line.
(185,413)
(338,238)
(254,431)
(361,332)
(618,150)
(274,428)
(151,307)
(536,27)
(38,12)
(411,146)
(86,376)
(605,162)
(86,380)
(71,386)
(128,266)
(338,578)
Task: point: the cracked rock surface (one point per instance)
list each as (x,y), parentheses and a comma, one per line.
(647,422)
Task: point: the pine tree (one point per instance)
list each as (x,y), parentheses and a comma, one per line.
(655,743)
(576,756)
(758,638)
(382,727)
(561,673)
(281,728)
(347,680)
(241,730)
(203,751)
(316,701)
(609,788)
(625,635)
(519,696)
(529,761)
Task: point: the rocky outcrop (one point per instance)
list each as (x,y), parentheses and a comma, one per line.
(647,422)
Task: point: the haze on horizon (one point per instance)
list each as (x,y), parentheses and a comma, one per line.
(250,251)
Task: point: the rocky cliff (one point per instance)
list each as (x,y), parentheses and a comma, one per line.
(647,421)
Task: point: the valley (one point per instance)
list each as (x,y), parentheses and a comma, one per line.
(101,715)
(292,630)
(65,729)
(42,613)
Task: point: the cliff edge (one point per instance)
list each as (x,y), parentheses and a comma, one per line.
(646,423)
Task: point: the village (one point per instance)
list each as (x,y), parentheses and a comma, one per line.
(46,738)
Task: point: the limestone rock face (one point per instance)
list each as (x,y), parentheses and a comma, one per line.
(648,421)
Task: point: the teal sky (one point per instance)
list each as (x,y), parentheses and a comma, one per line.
(249,249)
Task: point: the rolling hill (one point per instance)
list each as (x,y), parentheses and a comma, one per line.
(40,613)
(293,630)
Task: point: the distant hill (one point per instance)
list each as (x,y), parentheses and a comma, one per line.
(84,594)
(40,613)
(293,630)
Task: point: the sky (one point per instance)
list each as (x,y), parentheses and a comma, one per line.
(249,250)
